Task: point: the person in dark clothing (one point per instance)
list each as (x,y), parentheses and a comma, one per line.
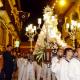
(14,59)
(8,63)
(2,75)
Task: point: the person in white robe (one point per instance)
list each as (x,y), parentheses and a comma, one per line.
(20,65)
(74,70)
(30,71)
(64,64)
(62,68)
(38,71)
(35,66)
(44,71)
(24,69)
(56,64)
(48,71)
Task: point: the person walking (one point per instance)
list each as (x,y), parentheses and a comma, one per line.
(8,63)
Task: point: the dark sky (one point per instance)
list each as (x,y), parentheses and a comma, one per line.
(35,8)
(33,5)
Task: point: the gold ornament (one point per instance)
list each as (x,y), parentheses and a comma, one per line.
(47,9)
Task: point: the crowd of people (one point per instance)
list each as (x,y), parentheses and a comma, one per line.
(65,65)
(25,65)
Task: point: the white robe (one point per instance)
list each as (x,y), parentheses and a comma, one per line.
(74,70)
(44,71)
(24,69)
(20,65)
(39,70)
(53,61)
(48,73)
(55,67)
(30,71)
(35,66)
(61,69)
(64,68)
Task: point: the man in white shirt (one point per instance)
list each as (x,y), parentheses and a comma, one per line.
(74,70)
(56,63)
(61,68)
(64,64)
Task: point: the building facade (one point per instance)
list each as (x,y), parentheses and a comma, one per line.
(9,26)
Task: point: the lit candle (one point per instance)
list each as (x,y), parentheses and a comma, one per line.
(72,27)
(30,26)
(34,28)
(39,20)
(67,25)
(26,28)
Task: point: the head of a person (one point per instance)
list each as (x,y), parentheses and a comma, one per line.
(68,53)
(78,51)
(30,58)
(14,52)
(25,56)
(60,52)
(9,47)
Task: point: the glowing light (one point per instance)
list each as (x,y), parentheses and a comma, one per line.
(72,27)
(39,20)
(79,25)
(74,23)
(53,18)
(54,4)
(26,28)
(17,43)
(1,4)
(53,7)
(30,26)
(67,25)
(34,28)
(62,2)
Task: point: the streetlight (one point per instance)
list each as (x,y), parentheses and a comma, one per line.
(62,2)
(73,28)
(31,32)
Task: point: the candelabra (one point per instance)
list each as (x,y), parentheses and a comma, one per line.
(72,29)
(31,31)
